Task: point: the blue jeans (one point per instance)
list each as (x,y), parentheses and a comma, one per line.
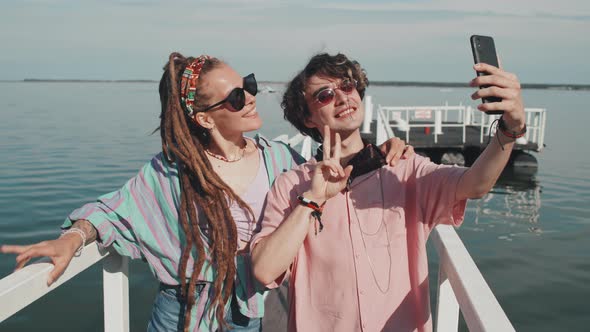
(169,308)
(238,322)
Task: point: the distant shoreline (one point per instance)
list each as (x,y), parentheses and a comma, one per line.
(372,83)
(542,86)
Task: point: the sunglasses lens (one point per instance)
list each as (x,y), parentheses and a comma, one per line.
(237,99)
(250,84)
(347,86)
(325,96)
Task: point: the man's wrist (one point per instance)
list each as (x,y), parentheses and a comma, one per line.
(310,196)
(513,125)
(315,208)
(510,130)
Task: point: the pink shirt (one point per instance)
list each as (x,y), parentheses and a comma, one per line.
(367,270)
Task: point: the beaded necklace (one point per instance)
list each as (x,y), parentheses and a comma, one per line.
(224,159)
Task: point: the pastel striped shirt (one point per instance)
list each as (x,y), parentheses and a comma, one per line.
(141,221)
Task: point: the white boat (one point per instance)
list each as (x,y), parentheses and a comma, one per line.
(266,89)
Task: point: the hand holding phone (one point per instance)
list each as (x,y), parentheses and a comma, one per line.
(484,51)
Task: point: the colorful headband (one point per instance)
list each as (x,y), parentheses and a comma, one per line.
(188,85)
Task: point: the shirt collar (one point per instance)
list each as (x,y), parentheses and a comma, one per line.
(262,141)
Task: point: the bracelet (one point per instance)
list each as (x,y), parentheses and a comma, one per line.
(82,235)
(317,210)
(509,133)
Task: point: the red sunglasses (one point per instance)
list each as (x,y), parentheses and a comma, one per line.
(326,95)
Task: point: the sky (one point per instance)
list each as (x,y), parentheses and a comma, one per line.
(542,41)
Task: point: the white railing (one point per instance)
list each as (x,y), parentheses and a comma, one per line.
(431,117)
(461,286)
(305,141)
(536,120)
(436,118)
(27,285)
(383,129)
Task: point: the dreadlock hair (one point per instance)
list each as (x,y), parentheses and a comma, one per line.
(183,143)
(294,106)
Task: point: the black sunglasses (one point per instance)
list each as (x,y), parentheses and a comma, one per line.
(237,96)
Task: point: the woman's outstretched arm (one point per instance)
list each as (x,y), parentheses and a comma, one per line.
(60,251)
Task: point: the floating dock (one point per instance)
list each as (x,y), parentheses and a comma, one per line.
(450,134)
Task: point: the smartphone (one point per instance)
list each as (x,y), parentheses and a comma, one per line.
(484,50)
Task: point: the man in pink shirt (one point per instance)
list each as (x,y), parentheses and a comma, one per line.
(349,233)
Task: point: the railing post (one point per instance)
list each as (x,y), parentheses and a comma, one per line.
(542,134)
(409,126)
(368,115)
(536,122)
(437,124)
(447,306)
(381,133)
(116,293)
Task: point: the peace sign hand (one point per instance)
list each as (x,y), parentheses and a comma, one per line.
(329,178)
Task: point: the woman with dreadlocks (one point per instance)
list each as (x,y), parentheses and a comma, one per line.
(191,210)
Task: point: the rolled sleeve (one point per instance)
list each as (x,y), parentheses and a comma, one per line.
(109,216)
(436,186)
(126,219)
(277,209)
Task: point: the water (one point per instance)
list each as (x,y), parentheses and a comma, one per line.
(64,144)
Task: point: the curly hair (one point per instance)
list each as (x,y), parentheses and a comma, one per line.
(183,143)
(294,106)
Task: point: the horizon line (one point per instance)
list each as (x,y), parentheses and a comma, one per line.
(568,86)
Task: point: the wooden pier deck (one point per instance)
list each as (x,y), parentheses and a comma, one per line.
(276,309)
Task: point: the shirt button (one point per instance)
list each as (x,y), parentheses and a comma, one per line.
(362,292)
(357,255)
(364,326)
